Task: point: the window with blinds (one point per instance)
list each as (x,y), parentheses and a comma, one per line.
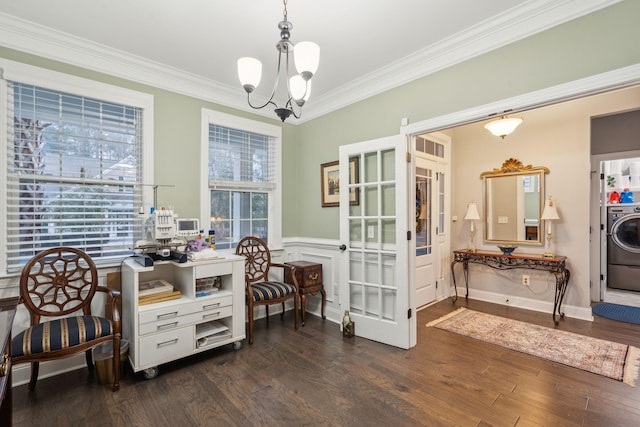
(241,173)
(73,174)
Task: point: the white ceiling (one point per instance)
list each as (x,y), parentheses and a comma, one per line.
(191,46)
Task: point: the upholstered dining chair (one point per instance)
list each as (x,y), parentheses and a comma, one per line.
(260,290)
(57,287)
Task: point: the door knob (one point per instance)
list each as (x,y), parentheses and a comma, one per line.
(343,247)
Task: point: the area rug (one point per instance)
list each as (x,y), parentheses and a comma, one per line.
(622,313)
(613,360)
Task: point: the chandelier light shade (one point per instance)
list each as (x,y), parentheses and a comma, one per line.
(503,126)
(306,57)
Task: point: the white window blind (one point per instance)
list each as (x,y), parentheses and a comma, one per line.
(241,158)
(73,174)
(241,171)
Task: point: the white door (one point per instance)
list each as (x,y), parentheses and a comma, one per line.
(425,230)
(374,266)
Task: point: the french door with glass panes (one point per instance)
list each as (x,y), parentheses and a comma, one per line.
(374,286)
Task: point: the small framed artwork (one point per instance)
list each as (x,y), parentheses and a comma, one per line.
(330,183)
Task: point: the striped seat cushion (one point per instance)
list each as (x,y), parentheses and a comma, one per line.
(60,334)
(265,291)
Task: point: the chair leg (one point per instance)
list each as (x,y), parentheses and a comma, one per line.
(266,307)
(88,355)
(35,367)
(116,362)
(250,324)
(282,313)
(295,310)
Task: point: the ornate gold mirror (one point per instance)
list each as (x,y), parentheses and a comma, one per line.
(513,201)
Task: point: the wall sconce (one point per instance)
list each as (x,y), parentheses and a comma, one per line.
(472,215)
(549,214)
(503,126)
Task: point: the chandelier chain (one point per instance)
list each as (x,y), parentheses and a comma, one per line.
(284,12)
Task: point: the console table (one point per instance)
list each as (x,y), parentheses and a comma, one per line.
(500,261)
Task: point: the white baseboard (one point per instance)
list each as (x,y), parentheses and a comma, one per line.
(582,313)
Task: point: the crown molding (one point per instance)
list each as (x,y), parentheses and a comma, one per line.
(510,26)
(506,28)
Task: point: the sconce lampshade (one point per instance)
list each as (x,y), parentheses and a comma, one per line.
(503,126)
(472,212)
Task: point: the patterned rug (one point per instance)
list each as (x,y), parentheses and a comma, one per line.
(613,360)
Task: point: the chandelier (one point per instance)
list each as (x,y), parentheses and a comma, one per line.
(306,59)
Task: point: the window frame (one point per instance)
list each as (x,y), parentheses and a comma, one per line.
(54,80)
(274,213)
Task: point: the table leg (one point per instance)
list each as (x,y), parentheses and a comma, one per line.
(562,280)
(303,305)
(453,278)
(324,300)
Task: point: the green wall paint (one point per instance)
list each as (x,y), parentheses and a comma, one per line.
(599,42)
(603,41)
(176,137)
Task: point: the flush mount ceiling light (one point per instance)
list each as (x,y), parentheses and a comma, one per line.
(306,58)
(503,126)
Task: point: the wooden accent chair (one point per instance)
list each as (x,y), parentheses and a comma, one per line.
(259,289)
(54,284)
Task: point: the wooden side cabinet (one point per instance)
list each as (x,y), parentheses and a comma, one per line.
(309,276)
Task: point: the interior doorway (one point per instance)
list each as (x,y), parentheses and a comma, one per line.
(619,202)
(587,88)
(431,195)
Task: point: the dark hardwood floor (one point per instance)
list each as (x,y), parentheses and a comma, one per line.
(316,377)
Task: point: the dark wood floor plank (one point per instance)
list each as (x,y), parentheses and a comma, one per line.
(314,376)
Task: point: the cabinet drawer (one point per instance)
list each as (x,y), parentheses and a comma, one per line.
(166,313)
(165,346)
(209,270)
(169,324)
(208,303)
(172,313)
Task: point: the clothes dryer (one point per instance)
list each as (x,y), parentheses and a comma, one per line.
(623,247)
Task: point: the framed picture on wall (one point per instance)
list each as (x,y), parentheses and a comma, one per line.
(330,183)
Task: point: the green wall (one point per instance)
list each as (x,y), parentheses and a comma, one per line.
(177,136)
(602,41)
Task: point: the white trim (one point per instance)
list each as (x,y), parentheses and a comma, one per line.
(24,73)
(582,313)
(514,24)
(235,122)
(599,83)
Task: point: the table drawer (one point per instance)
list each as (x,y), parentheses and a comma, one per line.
(307,273)
(311,276)
(165,346)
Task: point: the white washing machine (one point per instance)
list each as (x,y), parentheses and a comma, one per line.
(623,247)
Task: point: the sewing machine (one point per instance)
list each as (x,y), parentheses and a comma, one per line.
(164,234)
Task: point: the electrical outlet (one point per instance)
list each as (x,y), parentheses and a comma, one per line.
(525,279)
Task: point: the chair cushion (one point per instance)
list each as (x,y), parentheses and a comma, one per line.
(60,334)
(264,291)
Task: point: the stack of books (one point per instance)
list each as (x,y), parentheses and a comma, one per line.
(156,291)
